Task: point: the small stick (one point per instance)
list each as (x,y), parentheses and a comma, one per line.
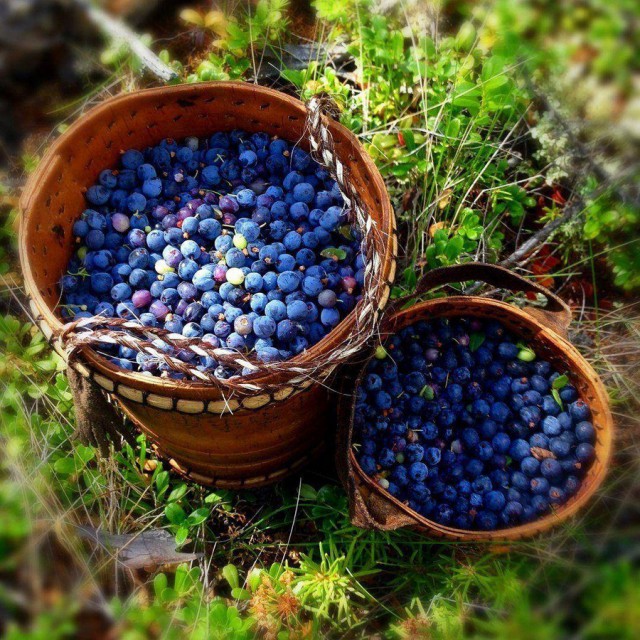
(117,30)
(543,234)
(537,239)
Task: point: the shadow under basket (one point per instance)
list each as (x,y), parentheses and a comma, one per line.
(546,332)
(233,441)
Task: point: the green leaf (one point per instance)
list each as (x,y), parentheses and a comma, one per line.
(294,77)
(427,392)
(410,278)
(214,497)
(240,594)
(84,454)
(254,578)
(454,248)
(334,253)
(198,516)
(162,481)
(307,492)
(65,466)
(495,83)
(400,170)
(409,139)
(230,573)
(178,493)
(492,68)
(346,230)
(453,128)
(556,396)
(159,584)
(476,340)
(560,382)
(181,536)
(175,513)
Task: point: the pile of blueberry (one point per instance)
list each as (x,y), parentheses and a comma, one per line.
(466,426)
(240,239)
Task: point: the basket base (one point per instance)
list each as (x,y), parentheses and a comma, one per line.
(246,449)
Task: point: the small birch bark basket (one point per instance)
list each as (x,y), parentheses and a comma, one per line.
(258,429)
(545,330)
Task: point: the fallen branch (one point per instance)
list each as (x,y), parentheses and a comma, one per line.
(540,237)
(118,31)
(536,240)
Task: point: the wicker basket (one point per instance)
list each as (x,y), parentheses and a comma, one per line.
(212,438)
(546,331)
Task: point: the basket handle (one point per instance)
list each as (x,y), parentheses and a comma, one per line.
(557,317)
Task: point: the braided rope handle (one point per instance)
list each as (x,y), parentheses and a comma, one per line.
(131,334)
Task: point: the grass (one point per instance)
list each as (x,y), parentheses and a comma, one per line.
(451,123)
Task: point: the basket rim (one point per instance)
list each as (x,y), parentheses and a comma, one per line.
(190,388)
(603,445)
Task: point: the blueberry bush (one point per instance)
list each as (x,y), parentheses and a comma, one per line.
(489,123)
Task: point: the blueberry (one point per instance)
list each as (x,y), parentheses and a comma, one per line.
(539,440)
(571,485)
(540,503)
(530,415)
(539,384)
(560,447)
(382,400)
(532,398)
(480,408)
(418,471)
(585,452)
(568,394)
(550,406)
(579,411)
(551,426)
(494,500)
(486,520)
(550,468)
(488,429)
(501,443)
(461,375)
(386,458)
(470,438)
(482,484)
(507,350)
(519,450)
(303,192)
(429,431)
(519,481)
(585,432)
(556,495)
(454,393)
(513,512)
(98,195)
(432,456)
(121,292)
(475,500)
(499,412)
(474,468)
(288,281)
(540,486)
(520,385)
(330,317)
(530,466)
